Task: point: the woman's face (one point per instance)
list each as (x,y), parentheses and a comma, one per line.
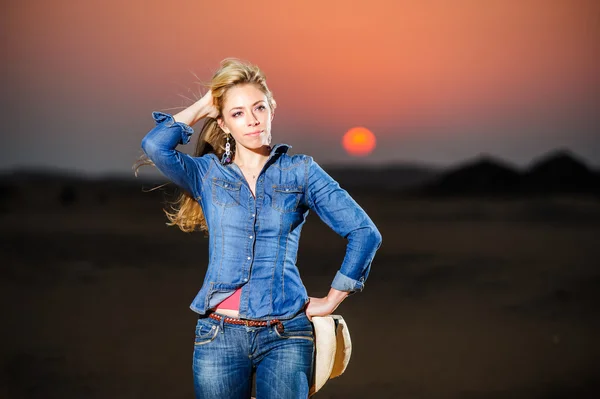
(246,115)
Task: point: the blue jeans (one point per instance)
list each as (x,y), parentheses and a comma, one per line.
(226,355)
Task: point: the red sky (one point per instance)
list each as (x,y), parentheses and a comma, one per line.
(437,81)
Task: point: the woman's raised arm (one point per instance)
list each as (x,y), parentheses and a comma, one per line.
(159,145)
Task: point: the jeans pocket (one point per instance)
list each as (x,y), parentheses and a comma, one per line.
(297,328)
(205,332)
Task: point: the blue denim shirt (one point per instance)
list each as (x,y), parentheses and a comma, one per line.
(253,242)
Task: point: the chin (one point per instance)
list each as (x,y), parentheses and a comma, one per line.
(255,142)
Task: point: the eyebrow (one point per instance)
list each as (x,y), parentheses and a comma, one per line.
(259,101)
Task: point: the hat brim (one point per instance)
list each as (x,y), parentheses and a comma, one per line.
(325,348)
(343,347)
(333,348)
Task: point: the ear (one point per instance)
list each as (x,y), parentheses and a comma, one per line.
(221,124)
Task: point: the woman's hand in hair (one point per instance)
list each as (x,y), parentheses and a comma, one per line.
(208,105)
(200,109)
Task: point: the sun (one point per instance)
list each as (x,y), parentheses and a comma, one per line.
(359,141)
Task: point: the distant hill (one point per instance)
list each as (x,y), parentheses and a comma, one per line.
(397,177)
(558,172)
(482,176)
(49,187)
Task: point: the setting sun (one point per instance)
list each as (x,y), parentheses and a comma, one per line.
(359,141)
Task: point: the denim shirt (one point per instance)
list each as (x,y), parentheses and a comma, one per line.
(253,242)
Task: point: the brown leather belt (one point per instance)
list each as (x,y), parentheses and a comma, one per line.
(248,323)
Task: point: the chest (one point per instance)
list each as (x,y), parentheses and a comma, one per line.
(251,178)
(270,195)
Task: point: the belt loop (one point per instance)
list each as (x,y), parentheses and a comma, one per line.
(221,324)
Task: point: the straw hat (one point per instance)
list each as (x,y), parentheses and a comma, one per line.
(333,348)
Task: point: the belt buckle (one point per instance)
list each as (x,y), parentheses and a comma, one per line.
(246,322)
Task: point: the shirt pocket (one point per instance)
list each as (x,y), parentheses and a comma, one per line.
(286,197)
(225,193)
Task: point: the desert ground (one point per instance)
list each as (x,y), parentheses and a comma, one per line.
(467,298)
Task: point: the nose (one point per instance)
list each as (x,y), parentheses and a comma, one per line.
(253,120)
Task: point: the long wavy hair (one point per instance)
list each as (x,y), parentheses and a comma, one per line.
(185,211)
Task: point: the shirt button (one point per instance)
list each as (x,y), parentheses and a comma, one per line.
(245,279)
(248,258)
(253,215)
(250,237)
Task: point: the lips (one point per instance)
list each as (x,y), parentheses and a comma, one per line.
(256,133)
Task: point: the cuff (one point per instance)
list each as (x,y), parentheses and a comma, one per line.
(168,120)
(342,282)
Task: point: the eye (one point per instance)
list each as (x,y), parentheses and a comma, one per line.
(236,114)
(261,107)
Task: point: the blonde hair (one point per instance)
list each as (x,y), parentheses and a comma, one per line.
(186,212)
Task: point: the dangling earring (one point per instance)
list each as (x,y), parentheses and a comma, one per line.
(226,158)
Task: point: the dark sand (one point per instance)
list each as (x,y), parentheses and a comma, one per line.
(466,298)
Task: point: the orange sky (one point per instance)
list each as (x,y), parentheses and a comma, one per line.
(436,81)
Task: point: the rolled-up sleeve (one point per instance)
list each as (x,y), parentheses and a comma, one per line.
(159,145)
(342,214)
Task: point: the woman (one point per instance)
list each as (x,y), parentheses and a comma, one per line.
(252,199)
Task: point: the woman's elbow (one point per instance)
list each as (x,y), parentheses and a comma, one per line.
(149,146)
(369,237)
(375,237)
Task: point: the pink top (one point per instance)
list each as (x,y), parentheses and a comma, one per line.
(232,302)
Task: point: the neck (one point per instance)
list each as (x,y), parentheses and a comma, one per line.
(251,158)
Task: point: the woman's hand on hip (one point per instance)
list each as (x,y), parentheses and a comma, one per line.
(325,306)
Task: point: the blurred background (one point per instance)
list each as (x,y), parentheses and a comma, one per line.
(469,131)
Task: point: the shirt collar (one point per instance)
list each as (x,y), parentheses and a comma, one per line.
(280,148)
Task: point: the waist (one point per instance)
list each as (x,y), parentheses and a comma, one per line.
(231,305)
(227,312)
(246,322)
(259,301)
